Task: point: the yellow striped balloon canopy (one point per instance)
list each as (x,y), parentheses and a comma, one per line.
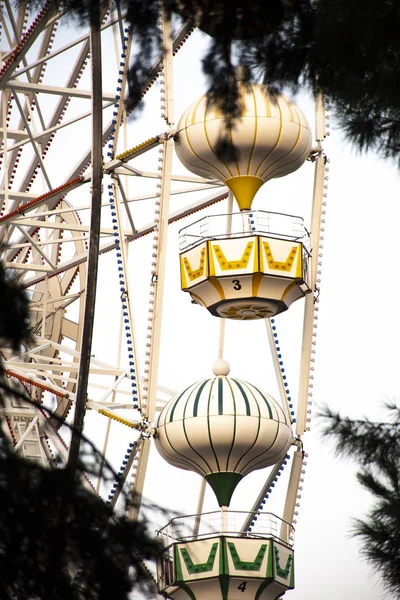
(271,138)
(222,428)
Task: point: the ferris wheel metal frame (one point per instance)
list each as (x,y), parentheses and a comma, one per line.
(46,238)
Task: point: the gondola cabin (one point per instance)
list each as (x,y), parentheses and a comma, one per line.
(256,271)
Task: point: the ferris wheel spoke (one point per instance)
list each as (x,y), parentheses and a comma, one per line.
(278,370)
(25,40)
(157,284)
(30,375)
(131,464)
(180,37)
(293,494)
(127,318)
(128,213)
(310,309)
(139,475)
(260,500)
(161,231)
(26,114)
(27,126)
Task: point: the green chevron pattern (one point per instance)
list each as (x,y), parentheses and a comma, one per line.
(200,567)
(279,571)
(242,565)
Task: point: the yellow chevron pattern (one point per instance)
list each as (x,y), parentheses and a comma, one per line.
(280,265)
(195,273)
(240,263)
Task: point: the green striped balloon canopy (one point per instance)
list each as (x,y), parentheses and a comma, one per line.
(222,428)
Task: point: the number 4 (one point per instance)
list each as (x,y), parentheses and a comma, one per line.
(242,586)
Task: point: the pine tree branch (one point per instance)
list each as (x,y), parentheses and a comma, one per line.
(361,439)
(375,446)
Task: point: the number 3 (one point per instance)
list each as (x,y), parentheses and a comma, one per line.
(236,284)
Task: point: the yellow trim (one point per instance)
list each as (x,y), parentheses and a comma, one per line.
(243,87)
(267,101)
(217,286)
(289,105)
(236,154)
(277,265)
(299,267)
(261,255)
(240,263)
(195,273)
(203,160)
(256,264)
(277,141)
(200,300)
(183,274)
(279,160)
(256,282)
(303,157)
(111,415)
(289,287)
(194,113)
(217,112)
(213,151)
(296,115)
(136,148)
(244,188)
(211,264)
(255,130)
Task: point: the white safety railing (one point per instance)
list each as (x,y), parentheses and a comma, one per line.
(243,224)
(222,522)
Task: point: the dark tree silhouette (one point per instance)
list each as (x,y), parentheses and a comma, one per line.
(349,52)
(14,312)
(376,448)
(58,539)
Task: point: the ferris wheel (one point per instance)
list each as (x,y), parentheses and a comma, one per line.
(244,266)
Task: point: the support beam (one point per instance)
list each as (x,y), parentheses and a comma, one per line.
(94,243)
(26,88)
(291,495)
(309,304)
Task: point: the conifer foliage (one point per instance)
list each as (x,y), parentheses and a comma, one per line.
(58,539)
(376,448)
(14,311)
(348,50)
